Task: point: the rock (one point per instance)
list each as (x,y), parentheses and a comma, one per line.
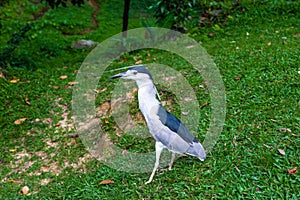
(84,44)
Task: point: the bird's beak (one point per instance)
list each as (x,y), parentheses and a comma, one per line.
(118,75)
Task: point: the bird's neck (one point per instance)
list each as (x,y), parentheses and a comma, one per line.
(145,83)
(147,96)
(146,91)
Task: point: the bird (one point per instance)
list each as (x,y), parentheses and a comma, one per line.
(167,130)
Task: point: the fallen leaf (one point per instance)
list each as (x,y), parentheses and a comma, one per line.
(204,105)
(105,182)
(269,43)
(12,180)
(237,78)
(45,181)
(2,75)
(72,83)
(269,147)
(281,151)
(25,190)
(185,113)
(296,35)
(13,150)
(189,47)
(292,171)
(20,121)
(138,62)
(285,130)
(27,101)
(63,77)
(55,87)
(14,80)
(103,90)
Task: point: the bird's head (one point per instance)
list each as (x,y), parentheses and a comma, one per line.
(137,73)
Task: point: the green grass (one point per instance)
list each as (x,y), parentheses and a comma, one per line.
(257,53)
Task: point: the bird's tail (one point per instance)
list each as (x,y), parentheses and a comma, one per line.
(197,150)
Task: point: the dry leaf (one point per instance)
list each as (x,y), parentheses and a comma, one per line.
(72,83)
(204,105)
(138,62)
(103,90)
(269,43)
(189,47)
(45,181)
(20,121)
(105,182)
(12,180)
(14,80)
(63,77)
(55,87)
(2,75)
(25,190)
(27,101)
(281,151)
(285,130)
(267,146)
(292,171)
(296,35)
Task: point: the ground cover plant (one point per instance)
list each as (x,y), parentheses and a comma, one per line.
(256,49)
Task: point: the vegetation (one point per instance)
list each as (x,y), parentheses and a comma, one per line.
(256,48)
(64,3)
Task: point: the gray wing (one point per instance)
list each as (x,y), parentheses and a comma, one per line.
(175,125)
(172,133)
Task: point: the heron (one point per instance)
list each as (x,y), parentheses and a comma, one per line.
(167,130)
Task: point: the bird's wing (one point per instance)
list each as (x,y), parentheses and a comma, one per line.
(175,125)
(172,133)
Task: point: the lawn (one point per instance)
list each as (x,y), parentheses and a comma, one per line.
(257,155)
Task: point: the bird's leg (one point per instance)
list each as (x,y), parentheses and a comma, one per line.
(158,150)
(172,161)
